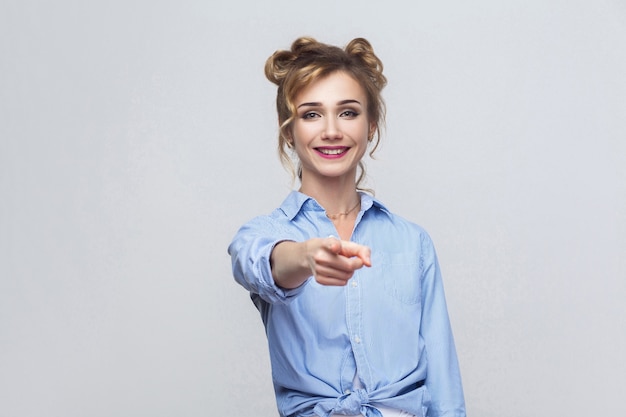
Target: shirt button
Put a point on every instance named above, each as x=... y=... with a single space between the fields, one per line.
x=354 y=284
x=347 y=392
x=357 y=339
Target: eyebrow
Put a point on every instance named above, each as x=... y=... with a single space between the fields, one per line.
x=341 y=103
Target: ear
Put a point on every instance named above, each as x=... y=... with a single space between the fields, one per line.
x=372 y=131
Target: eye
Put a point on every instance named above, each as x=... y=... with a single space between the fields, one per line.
x=350 y=114
x=309 y=115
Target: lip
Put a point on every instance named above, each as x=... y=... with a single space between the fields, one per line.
x=332 y=152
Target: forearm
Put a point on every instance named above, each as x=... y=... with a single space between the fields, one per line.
x=290 y=267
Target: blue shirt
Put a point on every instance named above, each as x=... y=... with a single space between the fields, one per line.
x=389 y=326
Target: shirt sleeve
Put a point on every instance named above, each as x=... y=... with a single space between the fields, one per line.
x=443 y=378
x=250 y=252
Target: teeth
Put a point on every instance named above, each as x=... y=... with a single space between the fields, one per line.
x=332 y=151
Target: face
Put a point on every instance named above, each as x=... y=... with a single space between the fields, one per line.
x=331 y=129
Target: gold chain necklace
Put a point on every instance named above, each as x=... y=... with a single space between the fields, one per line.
x=345 y=213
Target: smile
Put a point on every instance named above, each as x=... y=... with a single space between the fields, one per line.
x=332 y=151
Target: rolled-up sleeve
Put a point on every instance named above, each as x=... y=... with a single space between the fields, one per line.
x=250 y=252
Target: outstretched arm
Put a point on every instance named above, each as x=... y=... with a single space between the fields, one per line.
x=331 y=261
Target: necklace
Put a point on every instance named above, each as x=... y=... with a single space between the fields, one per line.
x=345 y=213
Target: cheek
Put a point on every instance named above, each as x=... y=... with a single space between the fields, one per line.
x=303 y=133
x=361 y=132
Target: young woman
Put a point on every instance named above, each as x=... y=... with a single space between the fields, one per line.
x=350 y=294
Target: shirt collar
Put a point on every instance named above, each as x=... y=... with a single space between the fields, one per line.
x=297 y=201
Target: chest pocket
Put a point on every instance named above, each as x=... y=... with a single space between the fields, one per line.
x=402 y=273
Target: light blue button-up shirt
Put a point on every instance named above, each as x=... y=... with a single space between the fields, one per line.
x=388 y=326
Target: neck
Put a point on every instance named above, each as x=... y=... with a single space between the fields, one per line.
x=336 y=196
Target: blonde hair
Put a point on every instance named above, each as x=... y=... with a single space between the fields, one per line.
x=308 y=61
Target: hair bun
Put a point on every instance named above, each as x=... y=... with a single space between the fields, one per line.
x=280 y=62
x=363 y=50
x=277 y=66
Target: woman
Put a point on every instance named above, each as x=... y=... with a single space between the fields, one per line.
x=350 y=294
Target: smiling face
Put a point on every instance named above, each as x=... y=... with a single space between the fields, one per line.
x=331 y=129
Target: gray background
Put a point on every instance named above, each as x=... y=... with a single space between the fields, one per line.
x=137 y=136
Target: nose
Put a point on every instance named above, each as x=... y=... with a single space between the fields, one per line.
x=331 y=129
